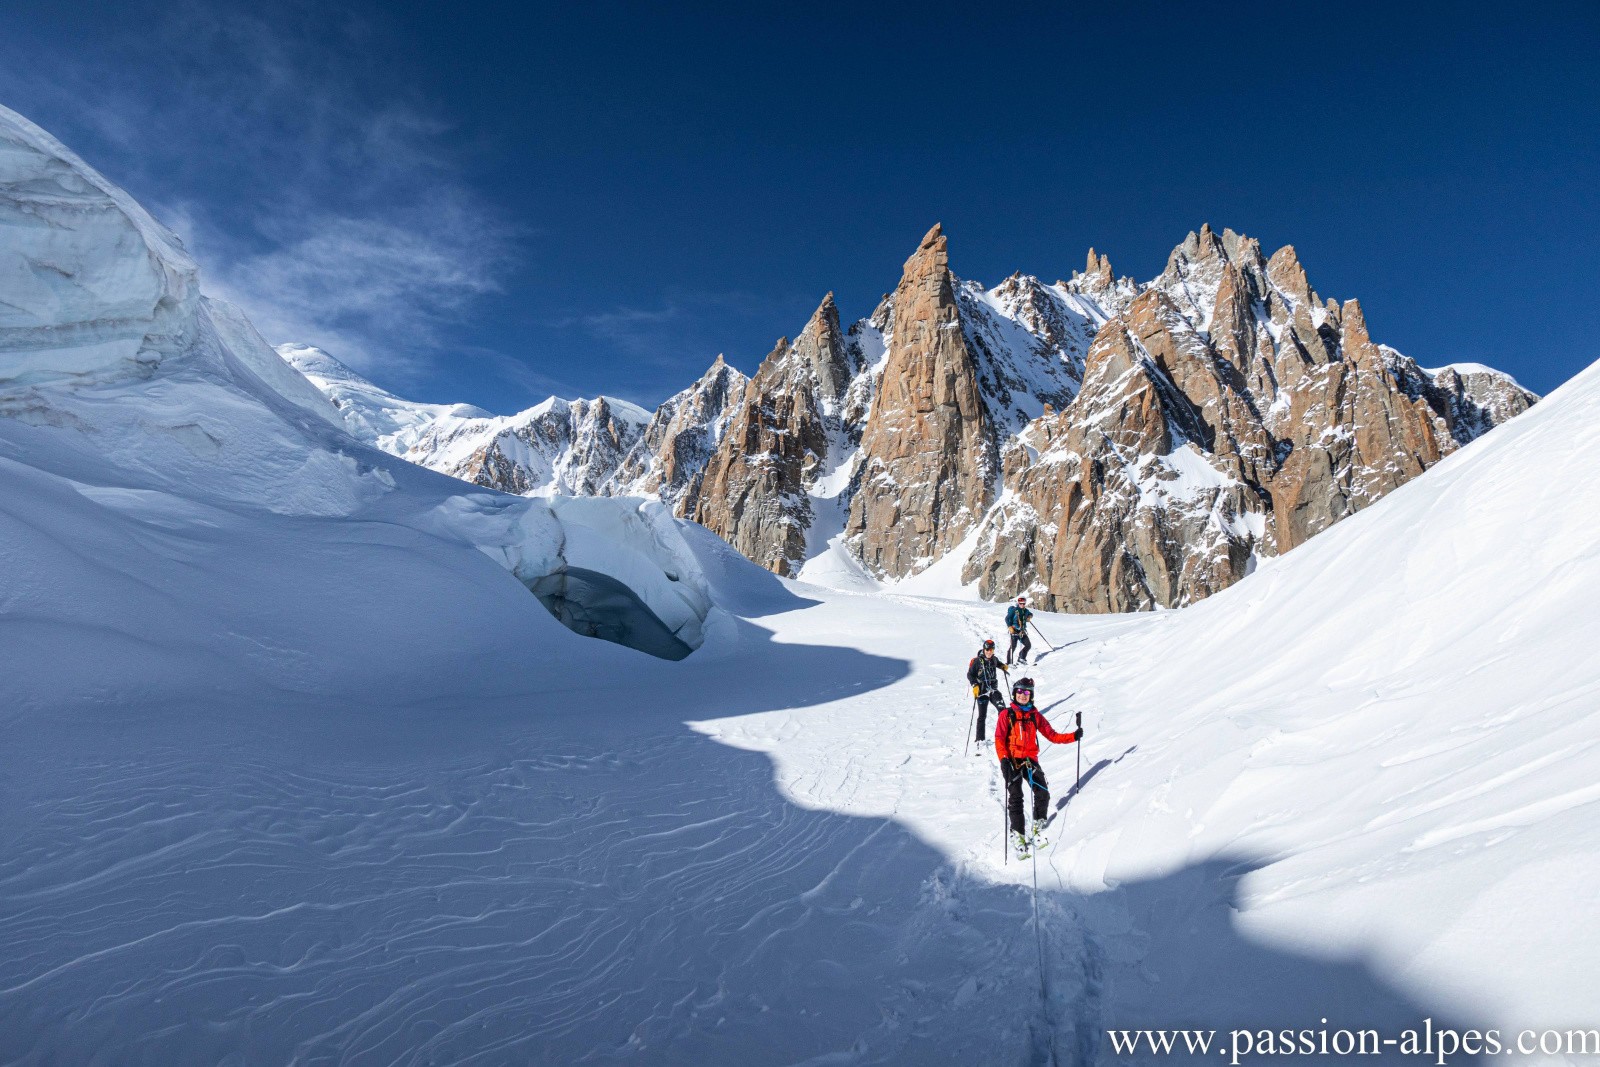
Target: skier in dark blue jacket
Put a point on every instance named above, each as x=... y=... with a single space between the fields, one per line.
x=1017 y=616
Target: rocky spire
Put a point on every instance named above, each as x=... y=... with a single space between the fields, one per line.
x=1354 y=338
x=754 y=493
x=1195 y=248
x=1097 y=272
x=1287 y=274
x=927 y=429
x=670 y=459
x=822 y=346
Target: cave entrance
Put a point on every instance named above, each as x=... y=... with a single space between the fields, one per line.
x=597 y=605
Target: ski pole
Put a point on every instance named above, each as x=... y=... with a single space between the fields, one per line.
x=1080 y=748
x=1042 y=637
x=970 y=720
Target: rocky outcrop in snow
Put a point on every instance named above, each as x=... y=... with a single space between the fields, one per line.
x=755 y=493
x=1228 y=414
x=669 y=460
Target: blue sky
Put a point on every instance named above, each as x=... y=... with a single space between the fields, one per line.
x=490 y=203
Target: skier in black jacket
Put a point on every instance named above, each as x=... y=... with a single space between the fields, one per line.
x=985 y=682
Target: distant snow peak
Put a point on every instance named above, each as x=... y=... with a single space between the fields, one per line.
x=1104 y=444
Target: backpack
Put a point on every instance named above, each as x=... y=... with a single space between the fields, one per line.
x=1013 y=719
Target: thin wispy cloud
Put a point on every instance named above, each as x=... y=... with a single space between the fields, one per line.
x=673 y=329
x=324 y=199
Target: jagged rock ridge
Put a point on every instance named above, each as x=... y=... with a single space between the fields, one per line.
x=1101 y=444
x=1228 y=414
x=778 y=444
x=669 y=459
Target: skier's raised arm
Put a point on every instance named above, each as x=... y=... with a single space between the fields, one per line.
x=1060 y=739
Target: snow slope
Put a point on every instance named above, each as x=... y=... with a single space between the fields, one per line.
x=1394 y=729
x=1359 y=785
x=371 y=414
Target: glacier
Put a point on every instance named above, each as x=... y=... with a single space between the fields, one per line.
x=298 y=770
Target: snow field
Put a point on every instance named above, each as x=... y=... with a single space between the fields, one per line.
x=298 y=771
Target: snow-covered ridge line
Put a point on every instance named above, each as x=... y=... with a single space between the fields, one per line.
x=557 y=446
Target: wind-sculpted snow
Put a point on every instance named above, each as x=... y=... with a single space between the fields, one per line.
x=571 y=874
x=188 y=513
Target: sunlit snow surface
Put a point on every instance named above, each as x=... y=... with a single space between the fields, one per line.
x=297 y=771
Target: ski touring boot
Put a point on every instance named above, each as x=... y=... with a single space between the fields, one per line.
x=1020 y=843
x=1036 y=837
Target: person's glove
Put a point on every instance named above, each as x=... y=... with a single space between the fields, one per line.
x=1003 y=667
x=977 y=690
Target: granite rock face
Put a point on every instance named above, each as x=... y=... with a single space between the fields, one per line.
x=1098 y=443
x=669 y=459
x=927 y=458
x=1227 y=414
x=778 y=444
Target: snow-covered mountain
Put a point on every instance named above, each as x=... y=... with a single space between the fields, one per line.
x=669 y=459
x=557 y=447
x=372 y=414
x=1100 y=444
x=299 y=770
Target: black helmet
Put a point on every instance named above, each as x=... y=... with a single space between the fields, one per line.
x=1021 y=685
x=988 y=644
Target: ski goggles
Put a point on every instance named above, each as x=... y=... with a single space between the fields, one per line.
x=1023 y=694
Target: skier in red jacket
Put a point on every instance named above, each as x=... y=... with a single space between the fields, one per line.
x=1016 y=742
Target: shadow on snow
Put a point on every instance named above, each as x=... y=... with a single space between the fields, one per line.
x=600 y=887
